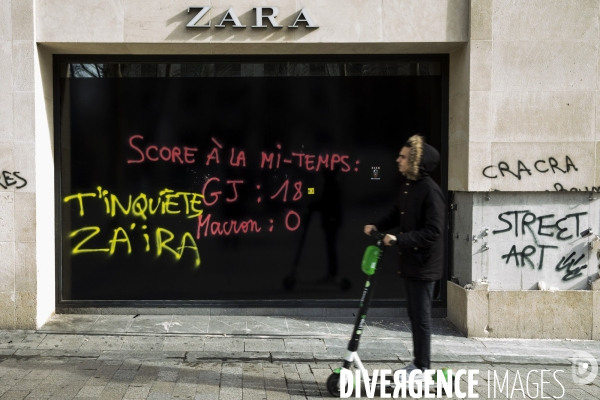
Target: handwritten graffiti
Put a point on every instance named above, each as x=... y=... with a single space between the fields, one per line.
x=284 y=189
x=215 y=191
x=165 y=153
x=569 y=264
x=526 y=253
x=142 y=206
x=90 y=239
x=548 y=227
x=539 y=166
x=225 y=228
x=560 y=188
x=167 y=203
x=120 y=238
x=145 y=152
x=211 y=198
x=308 y=161
x=7 y=180
x=544 y=228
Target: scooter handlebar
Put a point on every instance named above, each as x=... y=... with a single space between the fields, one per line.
x=379 y=236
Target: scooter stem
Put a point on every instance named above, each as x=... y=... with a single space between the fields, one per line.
x=365 y=301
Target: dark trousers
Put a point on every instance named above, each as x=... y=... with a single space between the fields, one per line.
x=419 y=295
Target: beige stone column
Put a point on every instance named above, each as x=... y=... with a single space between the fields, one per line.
x=470 y=103
x=533 y=94
x=18 y=280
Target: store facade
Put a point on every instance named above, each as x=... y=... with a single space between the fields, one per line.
x=233 y=181
x=226 y=156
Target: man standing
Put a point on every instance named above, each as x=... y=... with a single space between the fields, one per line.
x=420 y=215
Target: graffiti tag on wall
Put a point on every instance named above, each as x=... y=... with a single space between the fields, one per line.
x=551 y=165
x=141 y=208
x=548 y=232
x=8 y=179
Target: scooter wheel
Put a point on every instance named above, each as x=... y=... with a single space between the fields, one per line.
x=333 y=384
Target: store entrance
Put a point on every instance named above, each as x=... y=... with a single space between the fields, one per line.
x=235 y=181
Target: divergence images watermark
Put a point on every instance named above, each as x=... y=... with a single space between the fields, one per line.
x=584 y=369
x=463 y=383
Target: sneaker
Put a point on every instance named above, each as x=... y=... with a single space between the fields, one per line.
x=410 y=368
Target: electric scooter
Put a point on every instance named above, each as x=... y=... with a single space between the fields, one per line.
x=372 y=257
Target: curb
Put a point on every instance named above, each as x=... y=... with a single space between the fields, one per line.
x=274 y=357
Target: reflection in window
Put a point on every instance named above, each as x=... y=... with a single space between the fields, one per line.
x=249 y=69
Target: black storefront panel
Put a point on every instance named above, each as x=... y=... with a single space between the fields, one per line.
x=241 y=185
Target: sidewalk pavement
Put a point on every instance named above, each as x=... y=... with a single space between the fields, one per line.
x=249 y=357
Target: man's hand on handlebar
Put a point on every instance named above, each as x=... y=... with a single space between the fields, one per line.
x=369 y=228
x=389 y=240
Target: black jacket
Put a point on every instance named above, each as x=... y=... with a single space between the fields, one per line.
x=420 y=215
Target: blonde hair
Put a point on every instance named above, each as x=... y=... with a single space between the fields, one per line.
x=415 y=144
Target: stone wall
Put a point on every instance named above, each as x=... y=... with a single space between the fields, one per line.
x=18 y=272
x=523 y=116
x=524 y=162
x=515 y=240
x=530 y=99
x=31 y=31
x=526 y=314
x=347 y=26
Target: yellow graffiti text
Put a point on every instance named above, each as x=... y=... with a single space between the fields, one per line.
x=125 y=239
x=121 y=239
x=79 y=196
x=168 y=202
x=161 y=243
x=77 y=249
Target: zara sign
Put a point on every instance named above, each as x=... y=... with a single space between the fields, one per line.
x=230 y=16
